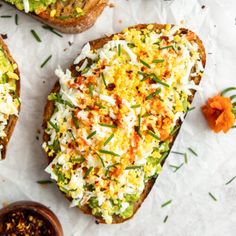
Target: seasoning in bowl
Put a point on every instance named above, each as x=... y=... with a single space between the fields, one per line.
x=28 y=219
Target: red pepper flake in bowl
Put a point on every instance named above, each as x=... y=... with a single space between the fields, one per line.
x=25 y=222
x=220 y=111
x=29 y=219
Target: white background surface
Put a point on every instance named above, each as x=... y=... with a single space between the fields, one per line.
x=192 y=212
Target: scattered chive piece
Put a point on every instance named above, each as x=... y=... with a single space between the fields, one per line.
x=163 y=157
x=91 y=135
x=150 y=96
x=54 y=126
x=153 y=135
x=178 y=153
x=192 y=151
x=164 y=221
x=44 y=182
x=230 y=180
x=185 y=158
x=146 y=115
x=212 y=196
x=72 y=135
x=139 y=122
x=36 y=36
x=104 y=80
x=191 y=109
x=88 y=171
x=135 y=106
x=108 y=139
x=233 y=127
x=47 y=27
x=158 y=61
x=176 y=167
x=46 y=61
x=101 y=159
x=109 y=152
x=227 y=90
x=108 y=125
x=119 y=50
x=166 y=203
x=16 y=19
x=145 y=64
x=133 y=167
x=75 y=120
x=90 y=89
x=6 y=16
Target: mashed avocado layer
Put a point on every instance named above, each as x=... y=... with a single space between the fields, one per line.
x=62 y=9
x=9 y=102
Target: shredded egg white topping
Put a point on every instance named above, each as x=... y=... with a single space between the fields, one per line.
x=115 y=114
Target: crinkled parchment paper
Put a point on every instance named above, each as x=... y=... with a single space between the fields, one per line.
x=192 y=211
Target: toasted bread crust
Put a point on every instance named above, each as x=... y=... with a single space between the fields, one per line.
x=49 y=108
x=12 y=119
x=74 y=25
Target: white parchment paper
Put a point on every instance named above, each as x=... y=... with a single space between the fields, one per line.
x=192 y=211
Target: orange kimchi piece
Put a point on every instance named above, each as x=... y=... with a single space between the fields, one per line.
x=218 y=113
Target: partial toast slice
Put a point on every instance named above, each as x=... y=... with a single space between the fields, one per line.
x=12 y=118
x=61 y=14
x=98 y=44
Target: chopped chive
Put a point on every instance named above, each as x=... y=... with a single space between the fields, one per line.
x=166 y=203
x=174 y=130
x=47 y=27
x=108 y=140
x=164 y=155
x=46 y=61
x=54 y=126
x=212 y=196
x=191 y=109
x=192 y=151
x=150 y=96
x=145 y=115
x=145 y=64
x=176 y=167
x=16 y=19
x=158 y=80
x=91 y=135
x=185 y=158
x=44 y=182
x=158 y=61
x=109 y=152
x=88 y=172
x=233 y=127
x=135 y=106
x=119 y=50
x=104 y=80
x=6 y=16
x=178 y=153
x=72 y=134
x=227 y=90
x=90 y=89
x=133 y=167
x=108 y=125
x=101 y=159
x=108 y=168
x=131 y=45
x=231 y=180
x=232 y=97
x=99 y=105
x=164 y=221
x=75 y=121
x=153 y=135
x=85 y=70
x=139 y=122
x=167 y=47
x=35 y=36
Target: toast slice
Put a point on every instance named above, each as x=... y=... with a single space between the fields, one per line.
x=9 y=74
x=70 y=16
x=164 y=140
